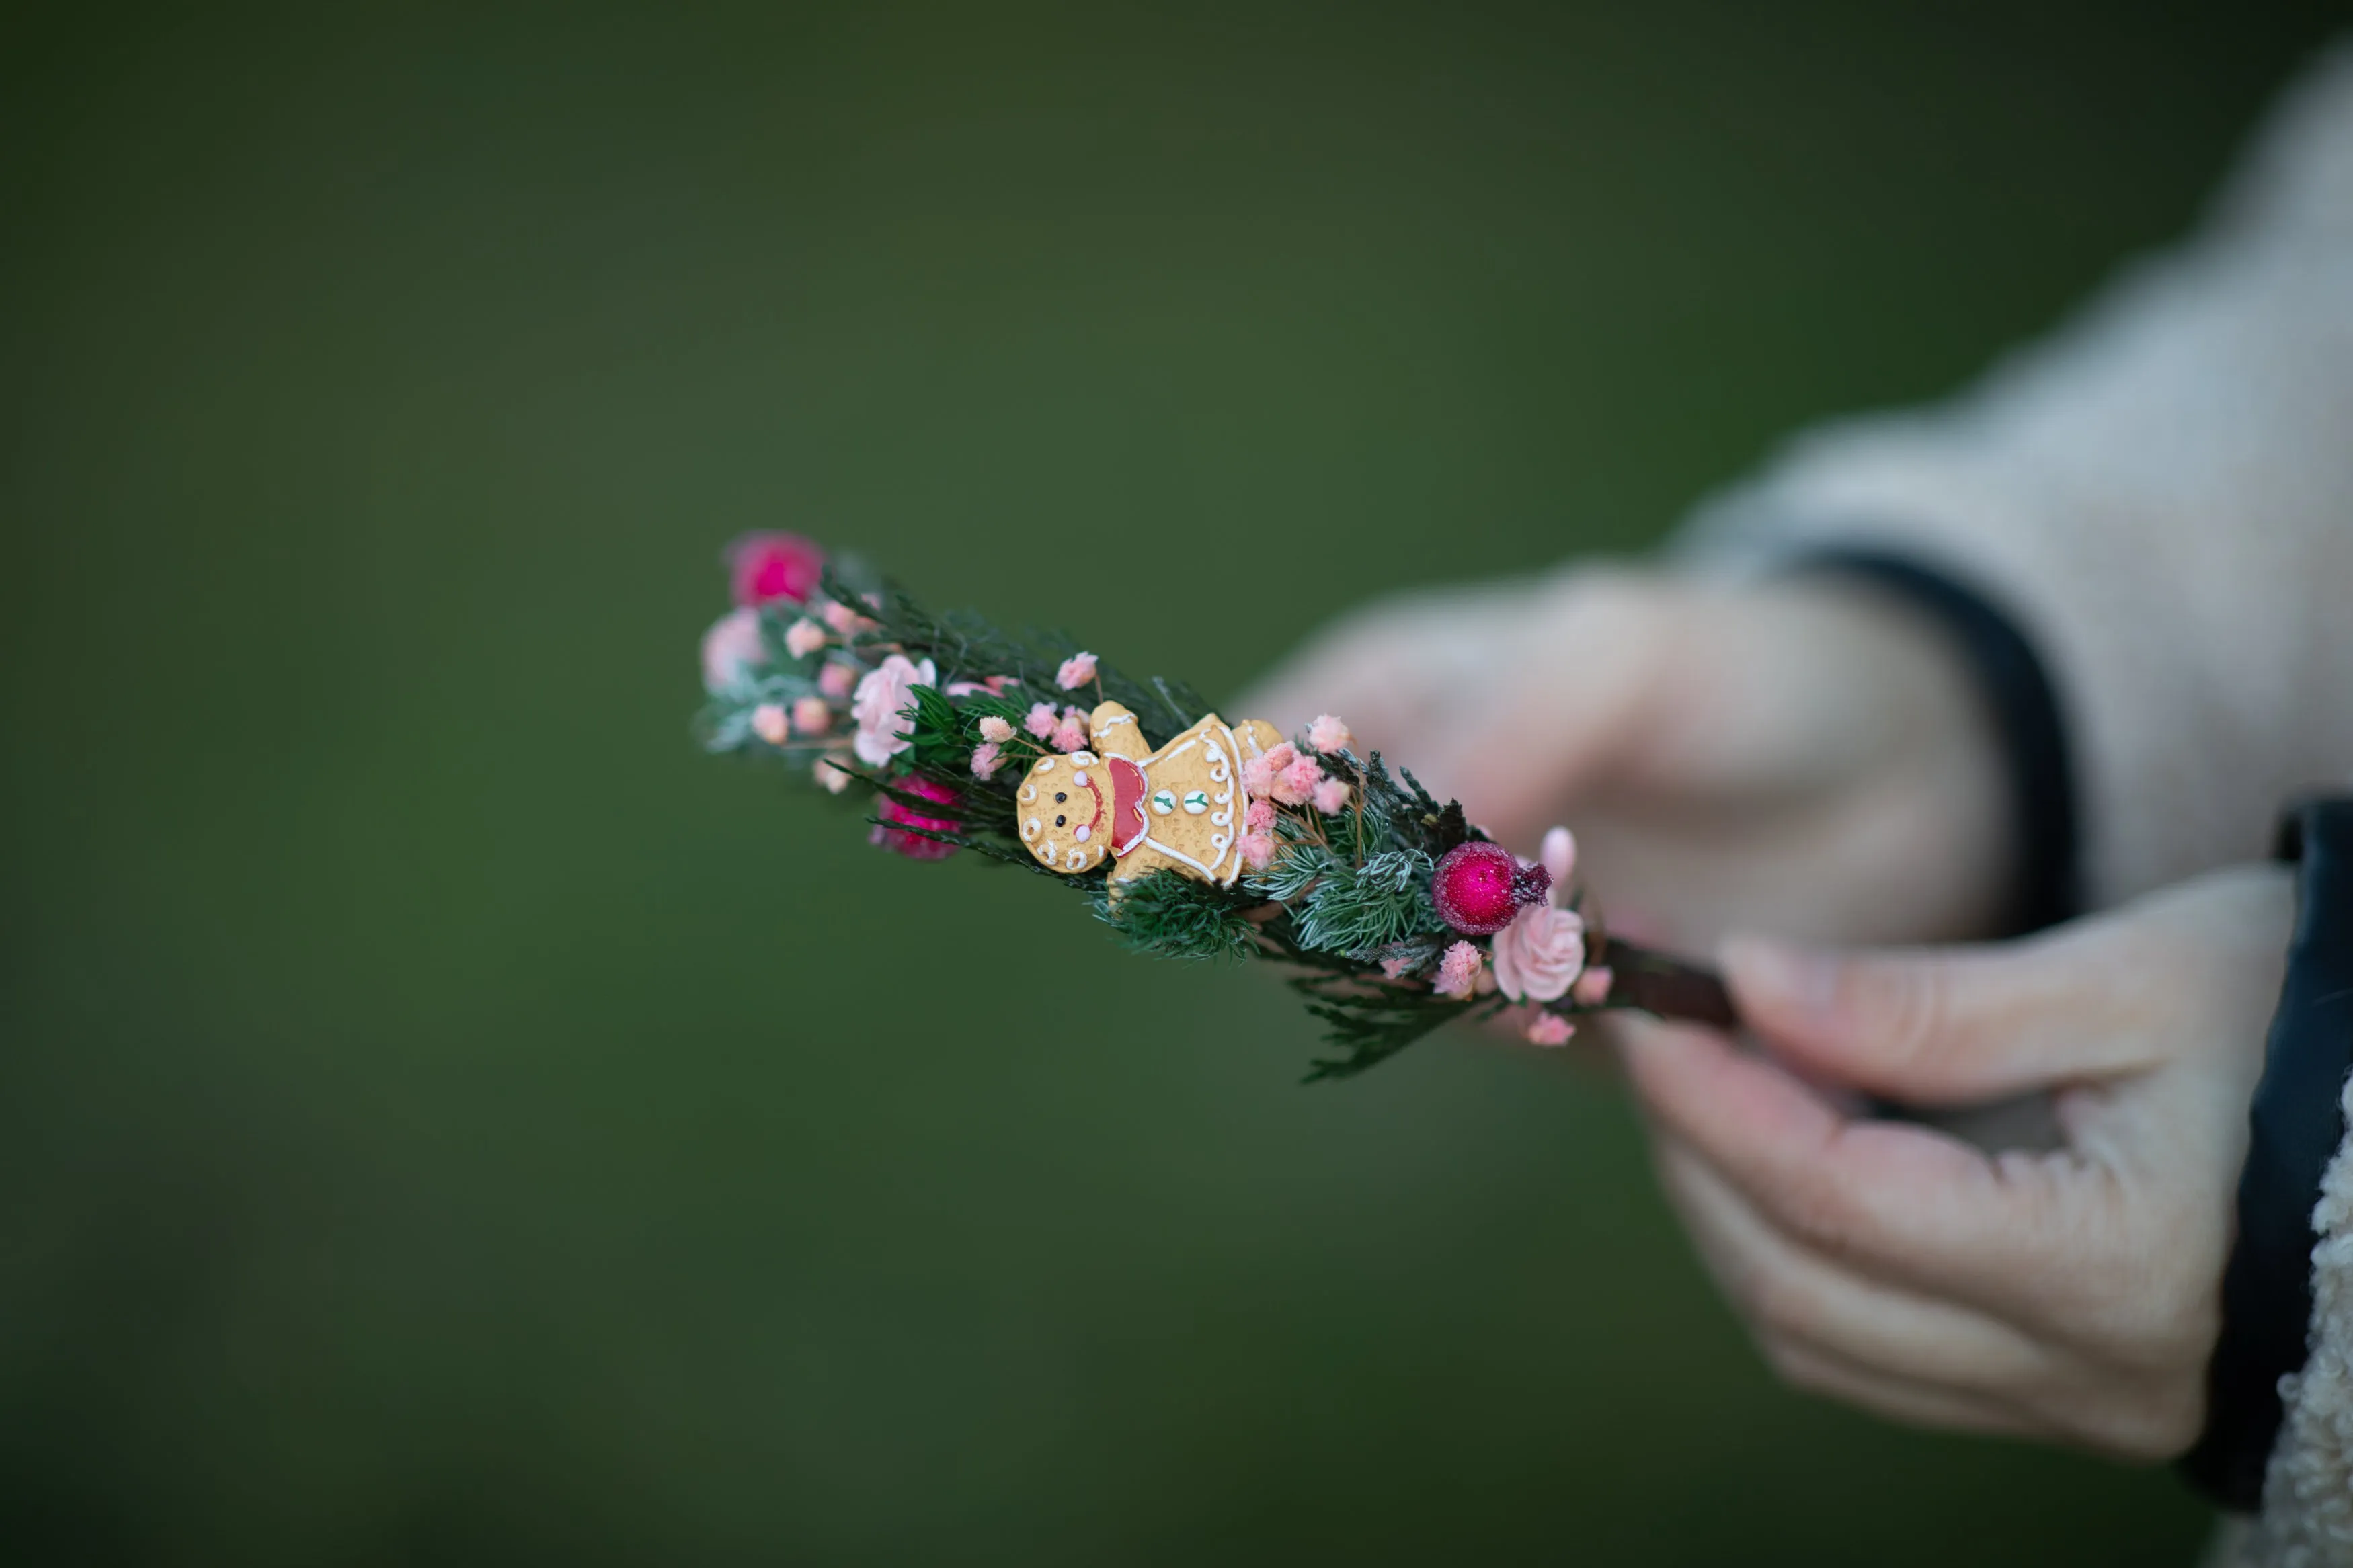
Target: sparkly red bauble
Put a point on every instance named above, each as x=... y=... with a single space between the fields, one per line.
x=1480 y=887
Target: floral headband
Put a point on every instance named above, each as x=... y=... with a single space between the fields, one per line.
x=1196 y=837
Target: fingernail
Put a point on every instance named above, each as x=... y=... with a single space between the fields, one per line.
x=1794 y=977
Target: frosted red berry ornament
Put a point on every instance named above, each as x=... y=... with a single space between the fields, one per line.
x=1480 y=888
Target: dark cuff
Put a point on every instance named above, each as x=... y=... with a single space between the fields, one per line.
x=2045 y=885
x=2296 y=1123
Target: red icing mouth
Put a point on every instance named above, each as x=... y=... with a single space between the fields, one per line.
x=1127 y=805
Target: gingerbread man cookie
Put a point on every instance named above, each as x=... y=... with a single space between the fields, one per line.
x=1180 y=807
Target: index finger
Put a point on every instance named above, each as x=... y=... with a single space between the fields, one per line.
x=1904 y=1202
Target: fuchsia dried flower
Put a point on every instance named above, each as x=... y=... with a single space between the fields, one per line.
x=1076 y=671
x=769 y=568
x=895 y=815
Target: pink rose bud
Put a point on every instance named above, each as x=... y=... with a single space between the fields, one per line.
x=995 y=729
x=831 y=777
x=1331 y=796
x=1076 y=671
x=1592 y=987
x=769 y=568
x=1558 y=856
x=1327 y=735
x=811 y=716
x=768 y=722
x=1550 y=1029
x=1042 y=720
x=837 y=680
x=844 y=619
x=804 y=637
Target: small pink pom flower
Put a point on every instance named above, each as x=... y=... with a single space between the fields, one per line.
x=1041 y=721
x=996 y=729
x=1539 y=955
x=804 y=637
x=1258 y=850
x=1550 y=1029
x=730 y=648
x=895 y=815
x=1458 y=971
x=769 y=724
x=985 y=758
x=1592 y=987
x=1258 y=779
x=884 y=693
x=1398 y=968
x=845 y=620
x=1076 y=671
x=1327 y=735
x=1280 y=755
x=833 y=778
x=1295 y=785
x=811 y=716
x=1071 y=734
x=767 y=568
x=1260 y=818
x=837 y=680
x=1331 y=796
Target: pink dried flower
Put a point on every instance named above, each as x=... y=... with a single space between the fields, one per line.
x=1295 y=785
x=1258 y=850
x=895 y=815
x=1331 y=796
x=1327 y=735
x=846 y=621
x=995 y=729
x=1458 y=969
x=836 y=680
x=1592 y=987
x=1071 y=734
x=1041 y=721
x=804 y=637
x=1539 y=955
x=833 y=778
x=769 y=724
x=1280 y=755
x=767 y=568
x=811 y=716
x=985 y=758
x=1076 y=671
x=1398 y=968
x=1260 y=818
x=730 y=648
x=883 y=694
x=1258 y=779
x=1549 y=1029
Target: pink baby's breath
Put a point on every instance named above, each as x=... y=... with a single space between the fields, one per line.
x=985 y=758
x=1076 y=671
x=1458 y=969
x=1041 y=721
x=811 y=716
x=1071 y=734
x=996 y=729
x=804 y=637
x=1549 y=1029
x=1331 y=796
x=1295 y=785
x=837 y=680
x=1260 y=818
x=1327 y=735
x=1258 y=850
x=768 y=722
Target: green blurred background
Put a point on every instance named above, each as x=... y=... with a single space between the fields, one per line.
x=443 y=1117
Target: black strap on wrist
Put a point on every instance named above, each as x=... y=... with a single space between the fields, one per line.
x=2296 y=1123
x=2045 y=887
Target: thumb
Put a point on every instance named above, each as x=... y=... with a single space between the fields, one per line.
x=1948 y=1027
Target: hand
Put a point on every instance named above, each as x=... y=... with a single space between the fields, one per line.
x=2073 y=1296
x=1800 y=755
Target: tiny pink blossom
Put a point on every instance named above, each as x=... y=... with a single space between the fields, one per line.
x=1295 y=785
x=811 y=716
x=1076 y=671
x=1458 y=969
x=1549 y=1029
x=769 y=724
x=1540 y=954
x=1327 y=735
x=1592 y=987
x=804 y=637
x=1558 y=856
x=995 y=685
x=845 y=620
x=1258 y=850
x=996 y=729
x=1260 y=818
x=1398 y=968
x=836 y=680
x=730 y=648
x=833 y=778
x=1331 y=796
x=884 y=693
x=1258 y=779
x=1280 y=755
x=985 y=758
x=1071 y=734
x=1041 y=721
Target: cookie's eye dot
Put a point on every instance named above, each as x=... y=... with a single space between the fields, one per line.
x=1059 y=821
x=1059 y=797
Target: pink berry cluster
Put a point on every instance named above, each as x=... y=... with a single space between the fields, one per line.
x=1286 y=776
